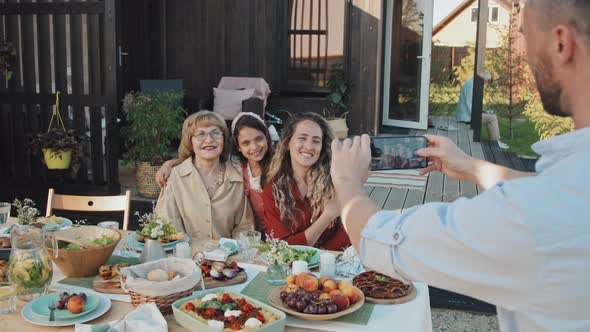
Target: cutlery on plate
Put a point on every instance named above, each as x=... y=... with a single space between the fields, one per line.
x=51 y=308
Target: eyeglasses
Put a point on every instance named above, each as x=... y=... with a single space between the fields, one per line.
x=202 y=136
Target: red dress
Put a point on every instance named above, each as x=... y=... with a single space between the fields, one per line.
x=333 y=238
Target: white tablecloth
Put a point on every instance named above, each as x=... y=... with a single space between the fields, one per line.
x=409 y=317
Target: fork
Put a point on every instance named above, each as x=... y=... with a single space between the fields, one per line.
x=51 y=308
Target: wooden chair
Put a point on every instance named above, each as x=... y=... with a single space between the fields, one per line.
x=90 y=203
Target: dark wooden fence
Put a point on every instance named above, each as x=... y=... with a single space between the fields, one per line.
x=68 y=47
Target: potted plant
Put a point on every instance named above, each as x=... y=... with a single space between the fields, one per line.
x=61 y=147
x=155 y=120
x=7 y=59
x=337 y=101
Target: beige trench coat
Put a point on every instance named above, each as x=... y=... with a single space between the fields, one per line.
x=187 y=205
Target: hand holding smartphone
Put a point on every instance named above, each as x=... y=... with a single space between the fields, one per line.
x=389 y=153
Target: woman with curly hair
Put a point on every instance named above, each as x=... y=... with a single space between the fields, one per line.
x=299 y=199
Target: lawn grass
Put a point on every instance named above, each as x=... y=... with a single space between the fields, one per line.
x=524 y=135
x=443 y=102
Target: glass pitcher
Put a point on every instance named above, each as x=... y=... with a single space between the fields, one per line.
x=30 y=267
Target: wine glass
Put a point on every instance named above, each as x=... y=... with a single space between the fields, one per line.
x=249 y=242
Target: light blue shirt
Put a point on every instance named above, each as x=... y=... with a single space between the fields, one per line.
x=465 y=102
x=523 y=245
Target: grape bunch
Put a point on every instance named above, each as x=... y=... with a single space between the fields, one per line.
x=64 y=297
x=308 y=303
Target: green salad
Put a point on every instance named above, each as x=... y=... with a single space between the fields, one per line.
x=103 y=240
x=300 y=255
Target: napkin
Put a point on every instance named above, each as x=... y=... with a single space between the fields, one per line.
x=216 y=255
x=146 y=317
x=229 y=245
x=349 y=264
x=5 y=230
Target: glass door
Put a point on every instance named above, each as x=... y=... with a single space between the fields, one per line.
x=408 y=38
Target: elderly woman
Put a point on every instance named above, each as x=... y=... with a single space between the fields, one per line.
x=205 y=196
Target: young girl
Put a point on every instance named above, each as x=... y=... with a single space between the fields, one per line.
x=299 y=199
x=252 y=145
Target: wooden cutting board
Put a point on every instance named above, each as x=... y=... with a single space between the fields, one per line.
x=212 y=283
x=103 y=286
x=411 y=295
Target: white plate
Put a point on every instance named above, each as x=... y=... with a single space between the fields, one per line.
x=103 y=307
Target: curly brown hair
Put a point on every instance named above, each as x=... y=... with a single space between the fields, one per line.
x=280 y=173
x=199 y=120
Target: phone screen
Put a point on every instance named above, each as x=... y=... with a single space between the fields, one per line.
x=397 y=152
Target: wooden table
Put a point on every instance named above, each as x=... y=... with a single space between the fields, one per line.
x=14 y=321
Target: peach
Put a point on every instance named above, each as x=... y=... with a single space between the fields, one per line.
x=344 y=284
x=75 y=304
x=300 y=278
x=323 y=279
x=353 y=293
x=291 y=279
x=311 y=284
x=341 y=301
x=325 y=296
x=329 y=285
x=334 y=292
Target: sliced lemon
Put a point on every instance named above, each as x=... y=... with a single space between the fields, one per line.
x=6 y=291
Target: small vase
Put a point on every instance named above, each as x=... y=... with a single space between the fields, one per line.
x=276 y=274
x=152 y=251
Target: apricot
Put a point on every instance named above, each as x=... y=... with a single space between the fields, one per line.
x=329 y=285
x=323 y=279
x=291 y=279
x=300 y=278
x=341 y=301
x=353 y=293
x=344 y=284
x=75 y=304
x=324 y=296
x=311 y=284
x=335 y=292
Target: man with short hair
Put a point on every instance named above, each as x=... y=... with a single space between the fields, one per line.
x=524 y=243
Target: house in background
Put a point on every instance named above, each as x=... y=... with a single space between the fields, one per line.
x=458 y=29
x=455 y=34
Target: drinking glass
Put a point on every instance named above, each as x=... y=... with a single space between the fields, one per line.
x=249 y=242
x=4 y=212
x=7 y=297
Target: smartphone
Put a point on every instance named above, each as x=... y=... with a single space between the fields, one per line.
x=397 y=152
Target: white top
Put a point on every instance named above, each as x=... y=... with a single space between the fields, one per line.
x=523 y=245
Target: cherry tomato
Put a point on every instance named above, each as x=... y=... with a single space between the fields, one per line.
x=233 y=265
x=236 y=326
x=260 y=317
x=247 y=307
x=190 y=306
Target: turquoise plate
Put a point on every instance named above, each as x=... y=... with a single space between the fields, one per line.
x=39 y=306
x=315 y=259
x=137 y=245
x=65 y=222
x=103 y=306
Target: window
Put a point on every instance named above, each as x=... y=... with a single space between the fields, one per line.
x=493 y=14
x=474 y=15
x=316 y=42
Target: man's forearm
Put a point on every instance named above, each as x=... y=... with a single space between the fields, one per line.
x=355 y=209
x=487 y=174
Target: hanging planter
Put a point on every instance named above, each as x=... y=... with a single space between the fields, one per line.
x=59 y=159
x=61 y=148
x=7 y=59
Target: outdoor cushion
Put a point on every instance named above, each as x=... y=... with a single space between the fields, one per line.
x=228 y=103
